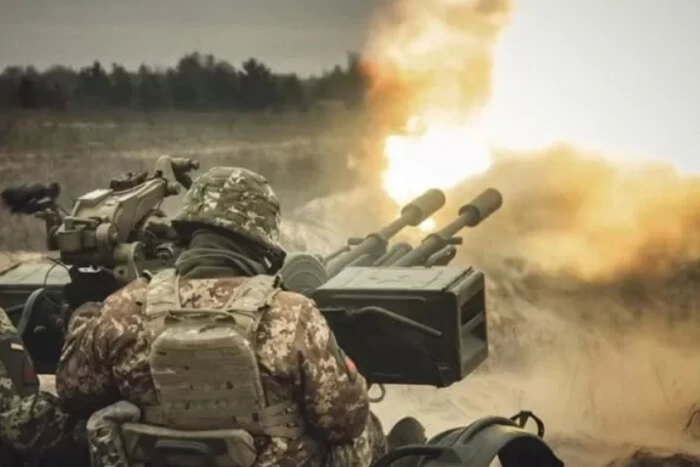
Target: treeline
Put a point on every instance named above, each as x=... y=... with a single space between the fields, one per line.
x=197 y=82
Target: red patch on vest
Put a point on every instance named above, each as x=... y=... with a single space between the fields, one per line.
x=352 y=368
x=30 y=376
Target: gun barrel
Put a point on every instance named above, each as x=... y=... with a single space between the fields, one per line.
x=481 y=207
x=412 y=214
x=469 y=215
x=415 y=212
x=396 y=252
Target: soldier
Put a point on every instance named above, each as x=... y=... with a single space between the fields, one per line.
x=33 y=429
x=215 y=344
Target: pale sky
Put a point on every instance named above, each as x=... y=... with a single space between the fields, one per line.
x=621 y=75
x=615 y=74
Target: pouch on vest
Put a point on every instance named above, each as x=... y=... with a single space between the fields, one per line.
x=204 y=365
x=150 y=445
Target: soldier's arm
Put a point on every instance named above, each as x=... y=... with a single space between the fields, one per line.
x=35 y=426
x=77 y=374
x=105 y=355
x=336 y=402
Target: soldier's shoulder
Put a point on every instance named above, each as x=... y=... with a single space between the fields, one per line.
x=132 y=294
x=295 y=309
x=293 y=300
x=220 y=287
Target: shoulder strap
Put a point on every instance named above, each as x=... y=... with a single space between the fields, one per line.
x=254 y=294
x=250 y=298
x=162 y=294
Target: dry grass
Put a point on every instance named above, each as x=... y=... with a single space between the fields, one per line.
x=83 y=152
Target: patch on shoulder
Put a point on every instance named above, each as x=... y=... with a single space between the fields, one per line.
x=344 y=361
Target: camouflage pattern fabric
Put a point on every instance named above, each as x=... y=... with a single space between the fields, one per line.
x=7 y=329
x=376 y=437
x=105 y=359
x=237 y=200
x=33 y=428
x=106 y=444
x=364 y=450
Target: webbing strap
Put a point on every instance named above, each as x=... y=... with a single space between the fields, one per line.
x=279 y=420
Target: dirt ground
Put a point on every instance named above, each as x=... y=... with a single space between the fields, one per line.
x=606 y=356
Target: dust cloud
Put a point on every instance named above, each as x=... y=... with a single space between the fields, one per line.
x=580 y=214
x=593 y=265
x=594 y=296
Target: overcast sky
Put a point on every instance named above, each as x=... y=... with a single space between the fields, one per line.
x=291 y=35
x=618 y=74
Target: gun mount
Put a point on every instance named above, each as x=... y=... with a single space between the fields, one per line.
x=118 y=228
x=400 y=313
x=109 y=238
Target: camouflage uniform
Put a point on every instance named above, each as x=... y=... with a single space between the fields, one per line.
x=33 y=428
x=105 y=357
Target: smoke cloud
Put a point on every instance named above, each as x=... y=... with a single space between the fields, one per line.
x=434 y=56
x=592 y=264
x=566 y=211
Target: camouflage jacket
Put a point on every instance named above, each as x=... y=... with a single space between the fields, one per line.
x=33 y=429
x=105 y=359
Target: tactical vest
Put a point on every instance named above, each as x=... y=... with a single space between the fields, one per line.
x=211 y=401
x=204 y=364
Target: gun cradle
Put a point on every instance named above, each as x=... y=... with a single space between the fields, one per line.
x=408 y=325
x=103 y=223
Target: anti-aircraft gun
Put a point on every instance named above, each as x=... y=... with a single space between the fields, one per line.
x=108 y=239
x=405 y=317
x=401 y=313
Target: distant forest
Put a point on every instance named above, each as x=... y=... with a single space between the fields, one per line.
x=198 y=82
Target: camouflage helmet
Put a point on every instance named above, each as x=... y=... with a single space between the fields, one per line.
x=235 y=199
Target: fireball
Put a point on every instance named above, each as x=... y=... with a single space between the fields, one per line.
x=439 y=155
x=434 y=58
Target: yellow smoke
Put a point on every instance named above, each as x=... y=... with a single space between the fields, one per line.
x=564 y=209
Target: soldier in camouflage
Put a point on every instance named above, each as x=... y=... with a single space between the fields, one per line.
x=231 y=219
x=33 y=429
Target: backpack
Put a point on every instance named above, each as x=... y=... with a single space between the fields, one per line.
x=204 y=367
